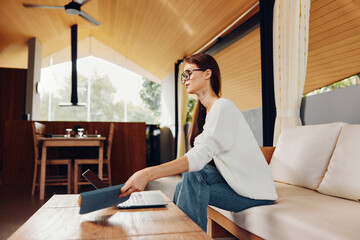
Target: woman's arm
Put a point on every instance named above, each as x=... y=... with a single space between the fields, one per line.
x=138 y=181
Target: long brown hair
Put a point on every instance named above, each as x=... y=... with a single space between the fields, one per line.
x=204 y=61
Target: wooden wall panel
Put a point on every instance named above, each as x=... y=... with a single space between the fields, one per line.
x=18 y=154
x=334 y=42
x=240 y=66
x=12 y=99
x=128 y=151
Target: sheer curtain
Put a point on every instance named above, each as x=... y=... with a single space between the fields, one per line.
x=182 y=106
x=290 y=51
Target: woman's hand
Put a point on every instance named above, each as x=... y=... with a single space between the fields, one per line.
x=136 y=183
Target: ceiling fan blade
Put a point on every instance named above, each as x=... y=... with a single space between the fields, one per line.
x=82 y=2
x=42 y=6
x=87 y=17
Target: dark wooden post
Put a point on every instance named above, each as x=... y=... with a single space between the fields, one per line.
x=267 y=70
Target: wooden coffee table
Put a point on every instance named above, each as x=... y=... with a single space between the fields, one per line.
x=59 y=218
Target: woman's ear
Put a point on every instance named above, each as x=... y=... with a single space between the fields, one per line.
x=208 y=74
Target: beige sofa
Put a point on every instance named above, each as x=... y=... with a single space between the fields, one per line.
x=316 y=170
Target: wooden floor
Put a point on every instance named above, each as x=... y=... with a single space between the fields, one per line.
x=17 y=205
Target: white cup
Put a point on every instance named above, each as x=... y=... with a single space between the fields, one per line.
x=80 y=132
x=68 y=132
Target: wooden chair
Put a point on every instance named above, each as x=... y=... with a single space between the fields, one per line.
x=38 y=130
x=78 y=180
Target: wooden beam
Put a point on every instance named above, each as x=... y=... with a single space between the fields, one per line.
x=267 y=71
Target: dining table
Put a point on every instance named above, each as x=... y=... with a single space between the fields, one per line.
x=63 y=141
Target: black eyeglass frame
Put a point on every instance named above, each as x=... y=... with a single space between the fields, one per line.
x=190 y=71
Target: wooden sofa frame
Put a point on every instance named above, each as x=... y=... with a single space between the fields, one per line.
x=220 y=226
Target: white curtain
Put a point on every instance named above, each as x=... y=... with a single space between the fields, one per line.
x=182 y=106
x=290 y=51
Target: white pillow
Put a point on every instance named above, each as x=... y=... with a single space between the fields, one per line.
x=342 y=178
x=302 y=153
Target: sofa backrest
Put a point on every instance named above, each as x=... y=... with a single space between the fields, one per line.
x=342 y=178
x=302 y=154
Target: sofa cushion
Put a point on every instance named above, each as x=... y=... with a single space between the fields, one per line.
x=303 y=152
x=342 y=178
x=300 y=213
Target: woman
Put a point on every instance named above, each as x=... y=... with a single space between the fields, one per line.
x=238 y=177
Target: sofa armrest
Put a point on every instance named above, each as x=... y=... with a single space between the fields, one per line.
x=268 y=152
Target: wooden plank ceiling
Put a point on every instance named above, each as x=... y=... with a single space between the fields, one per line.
x=155 y=33
x=151 y=33
x=334 y=47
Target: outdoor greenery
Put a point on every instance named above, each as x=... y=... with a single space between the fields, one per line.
x=102 y=105
x=353 y=80
x=100 y=108
x=151 y=96
x=190 y=110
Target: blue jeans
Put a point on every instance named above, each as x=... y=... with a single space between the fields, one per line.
x=206 y=187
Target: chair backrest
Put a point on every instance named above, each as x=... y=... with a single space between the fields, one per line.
x=110 y=140
x=38 y=130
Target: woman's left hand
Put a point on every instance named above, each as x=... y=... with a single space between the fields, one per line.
x=136 y=183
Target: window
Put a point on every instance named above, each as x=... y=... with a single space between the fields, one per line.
x=110 y=93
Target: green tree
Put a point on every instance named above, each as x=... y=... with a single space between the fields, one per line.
x=190 y=110
x=102 y=105
x=64 y=96
x=141 y=113
x=151 y=96
x=102 y=101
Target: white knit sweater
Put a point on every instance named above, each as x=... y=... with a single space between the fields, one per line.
x=228 y=140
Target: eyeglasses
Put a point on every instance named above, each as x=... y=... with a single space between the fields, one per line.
x=187 y=73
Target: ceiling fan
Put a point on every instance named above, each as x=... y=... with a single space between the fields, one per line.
x=73 y=8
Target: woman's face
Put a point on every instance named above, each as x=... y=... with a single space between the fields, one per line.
x=198 y=79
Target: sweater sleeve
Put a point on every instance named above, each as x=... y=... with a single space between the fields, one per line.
x=217 y=137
